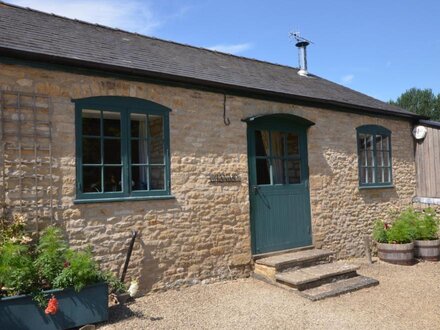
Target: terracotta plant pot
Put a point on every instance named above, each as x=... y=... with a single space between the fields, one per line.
x=400 y=254
x=427 y=249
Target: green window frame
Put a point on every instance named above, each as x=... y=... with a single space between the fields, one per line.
x=122 y=149
x=374 y=156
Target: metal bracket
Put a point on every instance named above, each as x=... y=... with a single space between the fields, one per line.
x=225 y=119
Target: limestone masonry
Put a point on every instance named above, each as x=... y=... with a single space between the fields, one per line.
x=203 y=234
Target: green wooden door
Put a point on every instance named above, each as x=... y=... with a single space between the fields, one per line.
x=279 y=190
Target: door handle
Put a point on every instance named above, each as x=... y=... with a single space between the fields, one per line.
x=256 y=189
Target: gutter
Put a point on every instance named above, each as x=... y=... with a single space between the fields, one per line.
x=201 y=84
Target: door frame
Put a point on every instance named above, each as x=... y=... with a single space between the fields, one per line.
x=264 y=122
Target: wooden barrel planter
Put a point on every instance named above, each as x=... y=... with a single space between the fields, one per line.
x=427 y=249
x=399 y=254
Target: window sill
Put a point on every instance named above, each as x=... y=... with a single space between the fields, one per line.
x=121 y=199
x=388 y=186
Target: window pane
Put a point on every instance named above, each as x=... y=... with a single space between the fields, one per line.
x=156 y=152
x=156 y=126
x=139 y=151
x=262 y=143
x=112 y=178
x=387 y=174
x=278 y=171
x=379 y=158
x=363 y=175
x=112 y=151
x=386 y=158
x=111 y=124
x=91 y=122
x=293 y=171
x=378 y=142
x=292 y=144
x=139 y=177
x=91 y=149
x=92 y=179
x=370 y=175
x=138 y=125
x=386 y=143
x=157 y=178
x=263 y=176
x=277 y=144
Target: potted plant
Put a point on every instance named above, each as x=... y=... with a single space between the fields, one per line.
x=395 y=241
x=48 y=285
x=427 y=242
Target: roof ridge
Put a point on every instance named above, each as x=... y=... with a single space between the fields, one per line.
x=146 y=36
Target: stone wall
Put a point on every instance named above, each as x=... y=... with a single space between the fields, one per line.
x=203 y=233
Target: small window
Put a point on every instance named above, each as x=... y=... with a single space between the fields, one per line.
x=374 y=154
x=122 y=148
x=277 y=157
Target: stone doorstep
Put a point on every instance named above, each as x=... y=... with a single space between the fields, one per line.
x=304 y=277
x=292 y=259
x=337 y=288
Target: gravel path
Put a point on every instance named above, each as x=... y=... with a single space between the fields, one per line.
x=406 y=298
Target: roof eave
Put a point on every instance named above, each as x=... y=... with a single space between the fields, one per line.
x=200 y=83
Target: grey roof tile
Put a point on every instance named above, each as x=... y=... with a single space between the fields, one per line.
x=34 y=32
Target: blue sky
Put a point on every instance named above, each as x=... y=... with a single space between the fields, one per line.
x=380 y=48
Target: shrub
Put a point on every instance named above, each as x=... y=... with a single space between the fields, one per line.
x=26 y=269
x=17 y=272
x=51 y=255
x=401 y=231
x=427 y=225
x=79 y=270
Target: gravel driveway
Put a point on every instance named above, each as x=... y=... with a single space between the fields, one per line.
x=408 y=297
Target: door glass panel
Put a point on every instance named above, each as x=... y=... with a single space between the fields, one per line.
x=293 y=171
x=263 y=174
x=262 y=143
x=277 y=144
x=278 y=171
x=292 y=144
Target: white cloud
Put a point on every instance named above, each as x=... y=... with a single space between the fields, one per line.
x=347 y=79
x=232 y=48
x=132 y=15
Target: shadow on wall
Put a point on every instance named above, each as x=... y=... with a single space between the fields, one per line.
x=384 y=195
x=149 y=272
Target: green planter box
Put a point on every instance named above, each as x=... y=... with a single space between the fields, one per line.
x=75 y=309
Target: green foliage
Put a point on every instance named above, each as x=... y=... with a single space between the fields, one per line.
x=51 y=254
x=380 y=232
x=427 y=225
x=80 y=270
x=25 y=269
x=17 y=272
x=408 y=225
x=421 y=101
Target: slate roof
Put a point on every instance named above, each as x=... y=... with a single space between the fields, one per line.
x=36 y=35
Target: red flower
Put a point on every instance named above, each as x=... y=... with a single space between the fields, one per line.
x=386 y=226
x=66 y=264
x=52 y=306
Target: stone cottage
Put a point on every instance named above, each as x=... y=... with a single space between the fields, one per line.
x=213 y=158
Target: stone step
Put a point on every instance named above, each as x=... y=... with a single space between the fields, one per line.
x=306 y=278
x=339 y=287
x=294 y=259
